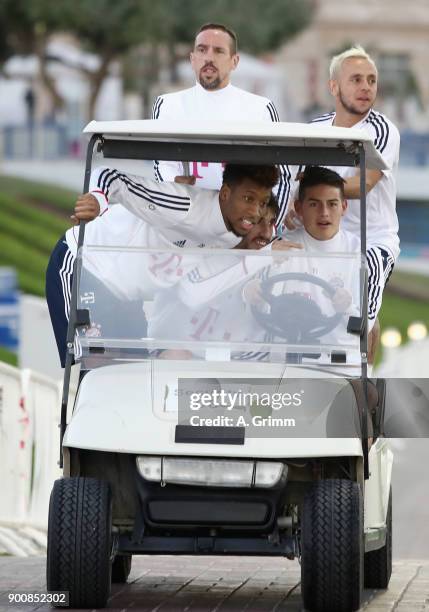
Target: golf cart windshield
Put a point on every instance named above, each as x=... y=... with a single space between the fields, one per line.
x=225 y=305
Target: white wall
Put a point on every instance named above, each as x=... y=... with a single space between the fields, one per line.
x=37 y=349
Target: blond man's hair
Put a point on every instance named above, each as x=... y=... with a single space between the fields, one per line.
x=338 y=60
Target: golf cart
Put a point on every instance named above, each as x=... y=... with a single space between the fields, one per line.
x=224 y=426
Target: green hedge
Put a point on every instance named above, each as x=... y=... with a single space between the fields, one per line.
x=33 y=217
x=38 y=193
x=35 y=236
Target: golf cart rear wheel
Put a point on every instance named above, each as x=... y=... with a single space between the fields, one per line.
x=378 y=563
x=79 y=541
x=332 y=547
x=121 y=568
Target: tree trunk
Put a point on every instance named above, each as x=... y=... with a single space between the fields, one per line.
x=49 y=83
x=96 y=81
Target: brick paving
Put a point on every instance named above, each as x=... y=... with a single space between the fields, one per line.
x=217 y=584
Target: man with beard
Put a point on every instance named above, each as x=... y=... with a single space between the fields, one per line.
x=353 y=84
x=214 y=98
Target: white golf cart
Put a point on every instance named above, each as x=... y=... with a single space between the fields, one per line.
x=226 y=425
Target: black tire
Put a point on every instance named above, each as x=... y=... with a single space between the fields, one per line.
x=378 y=563
x=79 y=541
x=332 y=547
x=121 y=568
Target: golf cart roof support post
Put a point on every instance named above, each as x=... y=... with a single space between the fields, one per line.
x=71 y=329
x=364 y=285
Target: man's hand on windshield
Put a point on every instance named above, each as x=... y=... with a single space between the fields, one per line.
x=86 y=208
x=251 y=293
x=292 y=220
x=185 y=180
x=285 y=245
x=341 y=300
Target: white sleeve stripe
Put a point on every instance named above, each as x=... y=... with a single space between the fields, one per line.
x=257 y=356
x=390 y=264
x=103 y=178
x=386 y=137
x=382 y=130
x=155 y=115
x=273 y=112
x=157 y=107
x=172 y=196
x=373 y=281
x=112 y=175
x=158 y=174
x=153 y=197
x=158 y=202
x=324 y=117
x=371 y=119
x=66 y=274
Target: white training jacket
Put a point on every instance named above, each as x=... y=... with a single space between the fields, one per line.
x=183 y=214
x=227 y=104
x=152 y=215
x=382 y=220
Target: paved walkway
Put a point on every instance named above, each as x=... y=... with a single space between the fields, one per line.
x=221 y=584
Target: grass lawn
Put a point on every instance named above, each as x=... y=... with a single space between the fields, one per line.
x=58 y=198
x=33 y=217
x=399 y=312
x=8 y=357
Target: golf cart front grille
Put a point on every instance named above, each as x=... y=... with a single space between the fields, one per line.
x=186 y=512
x=175 y=508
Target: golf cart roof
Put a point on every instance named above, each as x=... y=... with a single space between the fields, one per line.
x=233 y=141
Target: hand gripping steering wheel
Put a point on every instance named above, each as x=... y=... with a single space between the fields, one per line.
x=293 y=316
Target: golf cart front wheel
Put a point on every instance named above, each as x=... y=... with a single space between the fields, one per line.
x=79 y=541
x=332 y=547
x=378 y=563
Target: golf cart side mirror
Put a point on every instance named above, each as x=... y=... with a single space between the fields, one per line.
x=82 y=318
x=355 y=325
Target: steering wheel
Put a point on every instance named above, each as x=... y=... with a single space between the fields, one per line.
x=293 y=316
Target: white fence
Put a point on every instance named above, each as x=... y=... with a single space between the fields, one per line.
x=30 y=405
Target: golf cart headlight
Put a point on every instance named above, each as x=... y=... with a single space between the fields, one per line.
x=211 y=472
x=150 y=468
x=268 y=473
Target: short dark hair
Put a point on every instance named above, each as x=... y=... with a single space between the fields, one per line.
x=318 y=175
x=266 y=176
x=218 y=26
